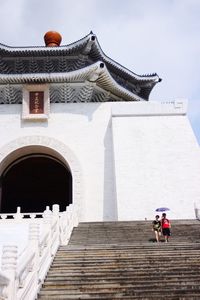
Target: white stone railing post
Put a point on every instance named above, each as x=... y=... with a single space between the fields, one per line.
x=47 y=214
x=18 y=215
x=45 y=245
x=64 y=226
x=33 y=245
x=9 y=265
x=27 y=269
x=56 y=209
x=68 y=220
x=55 y=228
x=34 y=232
x=197 y=211
x=47 y=221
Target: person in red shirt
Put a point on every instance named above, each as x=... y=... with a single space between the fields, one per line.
x=166 y=227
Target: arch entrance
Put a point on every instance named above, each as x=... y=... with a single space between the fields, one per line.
x=34 y=181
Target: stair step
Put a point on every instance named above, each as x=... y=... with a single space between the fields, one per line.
x=126 y=290
x=119 y=260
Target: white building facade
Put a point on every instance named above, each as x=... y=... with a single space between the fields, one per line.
x=77 y=127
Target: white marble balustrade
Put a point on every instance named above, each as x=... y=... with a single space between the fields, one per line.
x=28 y=245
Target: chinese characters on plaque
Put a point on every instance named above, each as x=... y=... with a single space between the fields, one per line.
x=36 y=102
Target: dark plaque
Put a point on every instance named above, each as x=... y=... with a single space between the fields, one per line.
x=36 y=103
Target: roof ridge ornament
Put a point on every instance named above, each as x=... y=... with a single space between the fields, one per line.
x=52 y=39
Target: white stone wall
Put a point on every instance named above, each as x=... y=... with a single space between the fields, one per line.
x=157 y=161
x=86 y=130
x=132 y=157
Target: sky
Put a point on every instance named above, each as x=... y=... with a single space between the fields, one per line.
x=146 y=36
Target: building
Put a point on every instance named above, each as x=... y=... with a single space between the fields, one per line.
x=77 y=127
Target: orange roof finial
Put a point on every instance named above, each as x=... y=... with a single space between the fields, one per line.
x=52 y=39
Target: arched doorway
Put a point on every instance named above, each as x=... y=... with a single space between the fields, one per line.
x=35 y=181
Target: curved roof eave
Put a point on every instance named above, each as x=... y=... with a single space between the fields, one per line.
x=96 y=73
x=88 y=41
x=102 y=56
x=43 y=49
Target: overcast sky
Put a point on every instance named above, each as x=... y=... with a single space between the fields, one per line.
x=146 y=36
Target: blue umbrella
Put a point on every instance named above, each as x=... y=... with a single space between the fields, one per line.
x=162 y=209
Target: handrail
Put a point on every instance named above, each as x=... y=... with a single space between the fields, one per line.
x=18 y=215
x=23 y=274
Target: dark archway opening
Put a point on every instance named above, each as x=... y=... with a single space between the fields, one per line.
x=34 y=182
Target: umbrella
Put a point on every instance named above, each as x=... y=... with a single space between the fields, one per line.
x=162 y=209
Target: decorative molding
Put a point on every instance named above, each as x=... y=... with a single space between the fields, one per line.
x=10 y=94
x=34 y=66
x=101 y=96
x=46 y=64
x=19 y=66
x=60 y=93
x=85 y=94
x=4 y=67
x=74 y=93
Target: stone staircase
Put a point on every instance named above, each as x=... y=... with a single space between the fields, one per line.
x=121 y=260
